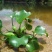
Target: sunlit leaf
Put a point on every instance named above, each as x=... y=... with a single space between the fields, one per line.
x=40 y=30
x=32 y=46
x=8 y=34
x=16 y=42
x=21 y=15
x=24 y=40
x=13 y=41
x=28 y=26
x=0 y=24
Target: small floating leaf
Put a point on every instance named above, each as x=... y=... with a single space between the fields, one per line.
x=32 y=46
x=9 y=34
x=16 y=42
x=40 y=30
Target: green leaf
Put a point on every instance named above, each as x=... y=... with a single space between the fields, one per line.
x=24 y=40
x=16 y=42
x=40 y=30
x=0 y=24
x=32 y=46
x=14 y=28
x=13 y=41
x=28 y=26
x=8 y=34
x=21 y=15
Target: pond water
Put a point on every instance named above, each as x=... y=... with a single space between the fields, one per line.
x=38 y=13
x=40 y=16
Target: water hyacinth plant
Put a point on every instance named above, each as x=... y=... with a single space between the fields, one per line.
x=19 y=37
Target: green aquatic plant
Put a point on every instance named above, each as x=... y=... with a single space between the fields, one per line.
x=19 y=37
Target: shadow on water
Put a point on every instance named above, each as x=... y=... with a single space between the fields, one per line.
x=41 y=40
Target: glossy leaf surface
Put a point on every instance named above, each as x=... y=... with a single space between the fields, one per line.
x=32 y=46
x=40 y=30
x=21 y=15
x=13 y=41
x=35 y=42
x=16 y=42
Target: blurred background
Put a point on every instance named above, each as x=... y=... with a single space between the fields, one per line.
x=41 y=14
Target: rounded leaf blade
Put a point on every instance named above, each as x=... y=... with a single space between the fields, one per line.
x=32 y=46
x=40 y=30
x=14 y=41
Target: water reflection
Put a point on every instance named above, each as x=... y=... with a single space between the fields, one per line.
x=5 y=12
x=41 y=13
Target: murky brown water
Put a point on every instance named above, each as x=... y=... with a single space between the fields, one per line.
x=40 y=17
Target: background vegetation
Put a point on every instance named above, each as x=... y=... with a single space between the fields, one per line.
x=29 y=2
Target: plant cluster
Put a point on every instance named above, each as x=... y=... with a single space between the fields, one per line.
x=18 y=36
